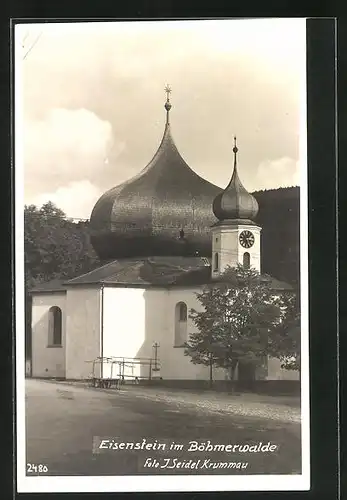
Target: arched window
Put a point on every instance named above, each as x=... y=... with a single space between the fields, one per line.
x=55 y=327
x=181 y=314
x=246 y=260
x=216 y=262
x=182 y=311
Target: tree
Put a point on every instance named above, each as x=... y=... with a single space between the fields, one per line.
x=284 y=342
x=55 y=247
x=238 y=313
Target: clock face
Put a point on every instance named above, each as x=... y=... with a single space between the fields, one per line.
x=247 y=239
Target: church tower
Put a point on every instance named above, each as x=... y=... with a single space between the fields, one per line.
x=235 y=237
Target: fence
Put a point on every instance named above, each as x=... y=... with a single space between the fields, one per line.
x=113 y=371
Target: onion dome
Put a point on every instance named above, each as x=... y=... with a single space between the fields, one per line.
x=164 y=210
x=235 y=204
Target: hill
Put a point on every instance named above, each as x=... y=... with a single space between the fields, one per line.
x=279 y=216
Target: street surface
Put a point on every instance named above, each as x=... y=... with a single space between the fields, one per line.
x=64 y=420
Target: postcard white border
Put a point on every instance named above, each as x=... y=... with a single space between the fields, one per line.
x=157 y=483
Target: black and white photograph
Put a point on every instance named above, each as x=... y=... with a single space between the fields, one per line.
x=162 y=332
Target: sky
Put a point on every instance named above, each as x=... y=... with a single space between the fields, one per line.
x=92 y=103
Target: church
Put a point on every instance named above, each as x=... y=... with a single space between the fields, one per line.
x=162 y=235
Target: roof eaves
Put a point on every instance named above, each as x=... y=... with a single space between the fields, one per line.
x=71 y=283
x=46 y=290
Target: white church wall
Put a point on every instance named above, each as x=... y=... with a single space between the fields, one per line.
x=47 y=361
x=83 y=327
x=133 y=320
x=275 y=372
x=155 y=324
x=124 y=329
x=175 y=365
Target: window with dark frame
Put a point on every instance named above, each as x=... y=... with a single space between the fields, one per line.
x=181 y=315
x=246 y=260
x=183 y=312
x=55 y=326
x=216 y=262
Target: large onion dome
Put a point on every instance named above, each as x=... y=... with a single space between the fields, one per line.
x=164 y=210
x=235 y=204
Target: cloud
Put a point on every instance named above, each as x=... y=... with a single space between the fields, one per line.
x=67 y=146
x=282 y=172
x=93 y=91
x=75 y=199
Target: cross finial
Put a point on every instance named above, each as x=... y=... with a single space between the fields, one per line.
x=168 y=91
x=168 y=103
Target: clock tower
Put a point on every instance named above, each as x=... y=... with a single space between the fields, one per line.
x=235 y=237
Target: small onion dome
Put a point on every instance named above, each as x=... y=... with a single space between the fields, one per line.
x=235 y=202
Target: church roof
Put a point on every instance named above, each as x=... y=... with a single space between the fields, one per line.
x=149 y=272
x=57 y=285
x=235 y=202
x=160 y=271
x=146 y=215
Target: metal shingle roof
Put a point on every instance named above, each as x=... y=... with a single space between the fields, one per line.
x=146 y=272
x=143 y=216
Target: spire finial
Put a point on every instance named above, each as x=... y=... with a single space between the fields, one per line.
x=167 y=104
x=235 y=150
